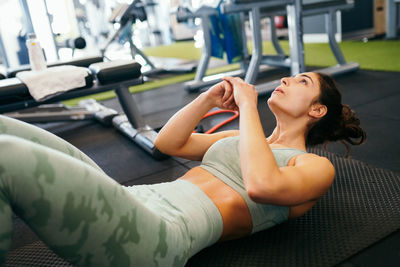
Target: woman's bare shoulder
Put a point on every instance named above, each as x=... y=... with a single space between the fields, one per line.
x=315 y=161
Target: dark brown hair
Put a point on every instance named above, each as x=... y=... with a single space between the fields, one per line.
x=340 y=122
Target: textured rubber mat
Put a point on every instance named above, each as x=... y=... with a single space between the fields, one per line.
x=362 y=207
x=35 y=254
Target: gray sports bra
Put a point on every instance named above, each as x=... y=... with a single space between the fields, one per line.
x=222 y=160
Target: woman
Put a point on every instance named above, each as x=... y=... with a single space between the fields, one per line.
x=90 y=220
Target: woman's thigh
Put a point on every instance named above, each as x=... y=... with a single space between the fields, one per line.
x=35 y=134
x=79 y=212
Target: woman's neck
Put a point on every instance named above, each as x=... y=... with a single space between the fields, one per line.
x=289 y=134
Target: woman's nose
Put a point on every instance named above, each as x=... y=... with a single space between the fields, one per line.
x=285 y=81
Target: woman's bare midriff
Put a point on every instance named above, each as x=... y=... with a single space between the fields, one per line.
x=233 y=208
x=235 y=214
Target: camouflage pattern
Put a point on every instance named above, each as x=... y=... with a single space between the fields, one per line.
x=85 y=216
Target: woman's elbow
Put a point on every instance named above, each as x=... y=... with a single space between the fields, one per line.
x=157 y=143
x=260 y=193
x=261 y=189
x=167 y=147
x=162 y=146
x=254 y=194
x=263 y=196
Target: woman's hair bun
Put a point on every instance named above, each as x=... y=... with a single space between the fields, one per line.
x=349 y=129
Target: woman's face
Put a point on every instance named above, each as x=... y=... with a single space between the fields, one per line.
x=295 y=95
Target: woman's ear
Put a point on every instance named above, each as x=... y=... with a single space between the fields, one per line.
x=318 y=110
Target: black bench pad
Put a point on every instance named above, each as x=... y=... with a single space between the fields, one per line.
x=12 y=90
x=116 y=71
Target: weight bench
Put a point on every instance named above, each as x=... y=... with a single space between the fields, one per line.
x=126 y=15
x=104 y=76
x=254 y=10
x=295 y=10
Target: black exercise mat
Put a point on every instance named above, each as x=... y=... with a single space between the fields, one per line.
x=35 y=254
x=361 y=208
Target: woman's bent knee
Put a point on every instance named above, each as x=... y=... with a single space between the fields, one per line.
x=14 y=151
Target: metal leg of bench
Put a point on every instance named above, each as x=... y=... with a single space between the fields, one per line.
x=274 y=37
x=330 y=22
x=206 y=51
x=130 y=107
x=109 y=40
x=256 y=57
x=295 y=26
x=197 y=83
x=135 y=50
x=342 y=67
x=391 y=19
x=245 y=50
x=132 y=124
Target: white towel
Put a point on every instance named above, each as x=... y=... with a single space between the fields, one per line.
x=53 y=81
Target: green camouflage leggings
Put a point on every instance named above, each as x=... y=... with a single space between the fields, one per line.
x=85 y=216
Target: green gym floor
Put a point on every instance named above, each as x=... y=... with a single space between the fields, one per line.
x=373 y=92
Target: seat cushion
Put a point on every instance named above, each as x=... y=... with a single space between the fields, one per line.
x=116 y=71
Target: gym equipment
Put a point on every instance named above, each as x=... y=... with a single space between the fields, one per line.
x=116 y=75
x=131 y=123
x=200 y=80
x=72 y=43
x=125 y=15
x=294 y=10
x=392 y=16
x=361 y=208
x=253 y=8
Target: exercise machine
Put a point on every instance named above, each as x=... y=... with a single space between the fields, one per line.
x=295 y=11
x=270 y=8
x=247 y=66
x=72 y=43
x=105 y=76
x=126 y=15
x=254 y=11
x=200 y=80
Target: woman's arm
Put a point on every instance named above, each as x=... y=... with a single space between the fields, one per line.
x=265 y=181
x=176 y=138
